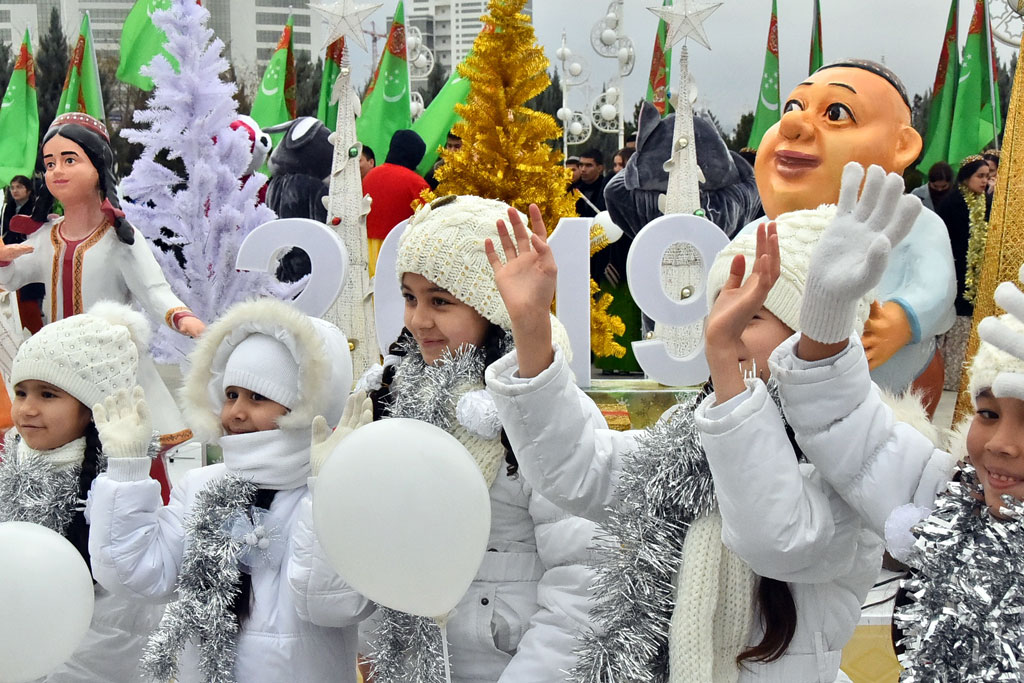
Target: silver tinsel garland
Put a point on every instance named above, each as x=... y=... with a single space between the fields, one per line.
x=208 y=582
x=33 y=490
x=966 y=620
x=665 y=484
x=406 y=647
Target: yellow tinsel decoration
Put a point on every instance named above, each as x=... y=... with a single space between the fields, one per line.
x=1004 y=248
x=976 y=244
x=604 y=327
x=505 y=153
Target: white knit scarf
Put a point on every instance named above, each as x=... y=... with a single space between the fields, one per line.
x=273 y=459
x=63 y=457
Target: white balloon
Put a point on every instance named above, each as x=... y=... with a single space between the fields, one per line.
x=608 y=36
x=608 y=112
x=575 y=128
x=575 y=68
x=46 y=601
x=403 y=515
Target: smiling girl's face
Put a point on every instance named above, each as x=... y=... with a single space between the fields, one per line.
x=47 y=417
x=437 y=320
x=70 y=176
x=995 y=446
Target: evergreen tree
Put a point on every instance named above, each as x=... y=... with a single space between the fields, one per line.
x=741 y=133
x=52 y=61
x=506 y=153
x=6 y=65
x=188 y=199
x=307 y=83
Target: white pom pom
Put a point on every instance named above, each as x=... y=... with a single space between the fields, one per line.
x=477 y=413
x=125 y=316
x=899 y=539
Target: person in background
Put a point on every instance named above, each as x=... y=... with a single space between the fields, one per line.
x=631 y=141
x=621 y=157
x=453 y=143
x=18 y=201
x=393 y=186
x=992 y=158
x=591 y=183
x=940 y=182
x=367 y=161
x=573 y=164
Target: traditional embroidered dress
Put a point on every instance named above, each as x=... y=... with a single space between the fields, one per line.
x=77 y=274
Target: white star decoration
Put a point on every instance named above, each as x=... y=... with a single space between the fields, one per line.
x=345 y=18
x=684 y=22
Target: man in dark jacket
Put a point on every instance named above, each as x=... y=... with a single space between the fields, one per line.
x=591 y=184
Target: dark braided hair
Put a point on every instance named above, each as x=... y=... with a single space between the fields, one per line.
x=240 y=606
x=102 y=158
x=91 y=462
x=494 y=346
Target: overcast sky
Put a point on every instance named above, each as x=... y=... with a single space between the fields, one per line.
x=905 y=34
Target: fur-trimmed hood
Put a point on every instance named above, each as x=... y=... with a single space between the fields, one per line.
x=909 y=408
x=319 y=348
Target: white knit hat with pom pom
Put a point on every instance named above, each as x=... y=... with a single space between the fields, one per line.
x=91 y=355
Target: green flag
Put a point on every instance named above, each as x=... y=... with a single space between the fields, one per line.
x=19 y=118
x=82 y=84
x=975 y=120
x=386 y=104
x=275 y=100
x=940 y=115
x=816 y=60
x=325 y=111
x=141 y=41
x=767 y=114
x=438 y=118
x=660 y=79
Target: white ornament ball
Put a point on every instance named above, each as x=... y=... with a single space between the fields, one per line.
x=412 y=43
x=575 y=68
x=575 y=128
x=623 y=55
x=420 y=61
x=612 y=20
x=415 y=108
x=608 y=36
x=611 y=95
x=608 y=112
x=563 y=113
x=563 y=53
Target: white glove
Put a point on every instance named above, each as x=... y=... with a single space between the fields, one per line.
x=853 y=252
x=997 y=333
x=124 y=424
x=358 y=412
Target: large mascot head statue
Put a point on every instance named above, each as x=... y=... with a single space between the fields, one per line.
x=853 y=110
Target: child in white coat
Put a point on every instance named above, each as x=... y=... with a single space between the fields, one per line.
x=960 y=531
x=530 y=600
x=61 y=377
x=788 y=536
x=221 y=548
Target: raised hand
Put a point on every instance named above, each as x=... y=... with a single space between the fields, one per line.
x=735 y=307
x=526 y=282
x=358 y=412
x=853 y=252
x=124 y=424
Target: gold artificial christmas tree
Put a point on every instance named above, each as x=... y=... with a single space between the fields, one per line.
x=1004 y=248
x=505 y=153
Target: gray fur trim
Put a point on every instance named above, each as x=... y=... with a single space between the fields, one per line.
x=208 y=582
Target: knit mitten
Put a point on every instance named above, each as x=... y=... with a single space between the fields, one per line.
x=358 y=412
x=853 y=252
x=125 y=430
x=1003 y=334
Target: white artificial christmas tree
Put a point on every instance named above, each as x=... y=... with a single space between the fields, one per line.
x=197 y=216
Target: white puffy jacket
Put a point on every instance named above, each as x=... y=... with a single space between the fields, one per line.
x=845 y=428
x=137 y=544
x=521 y=617
x=778 y=516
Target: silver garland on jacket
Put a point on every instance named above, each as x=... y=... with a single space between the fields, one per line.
x=208 y=583
x=665 y=484
x=33 y=490
x=967 y=616
x=407 y=647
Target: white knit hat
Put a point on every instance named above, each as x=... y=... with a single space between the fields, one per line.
x=444 y=243
x=999 y=362
x=799 y=232
x=91 y=355
x=262 y=364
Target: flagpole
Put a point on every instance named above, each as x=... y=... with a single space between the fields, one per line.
x=996 y=113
